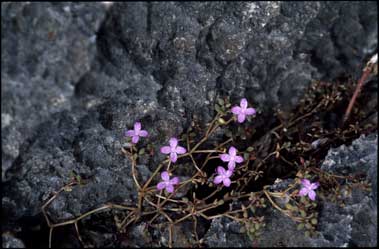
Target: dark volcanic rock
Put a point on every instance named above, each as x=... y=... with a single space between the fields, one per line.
x=45 y=49
x=9 y=241
x=225 y=232
x=353 y=224
x=360 y=209
x=76 y=75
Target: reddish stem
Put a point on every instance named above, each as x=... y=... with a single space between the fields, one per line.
x=364 y=76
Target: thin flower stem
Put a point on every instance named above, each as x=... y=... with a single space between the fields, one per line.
x=208 y=151
x=152 y=176
x=212 y=194
x=212 y=123
x=50 y=236
x=183 y=218
x=172 y=200
x=170 y=235
x=78 y=234
x=366 y=72
x=133 y=168
x=280 y=209
x=195 y=229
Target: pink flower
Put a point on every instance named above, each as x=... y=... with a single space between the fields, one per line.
x=242 y=111
x=308 y=189
x=167 y=183
x=223 y=176
x=173 y=149
x=232 y=158
x=136 y=133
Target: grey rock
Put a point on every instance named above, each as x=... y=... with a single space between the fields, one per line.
x=9 y=241
x=45 y=49
x=358 y=158
x=76 y=75
x=360 y=210
x=354 y=224
x=225 y=232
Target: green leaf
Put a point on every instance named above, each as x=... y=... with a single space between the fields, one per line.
x=257 y=226
x=141 y=151
x=289 y=206
x=78 y=179
x=246 y=156
x=220 y=101
x=228 y=133
x=308 y=226
x=307 y=233
x=221 y=121
x=314 y=221
x=302 y=213
x=68 y=189
x=249 y=149
x=218 y=108
x=300 y=226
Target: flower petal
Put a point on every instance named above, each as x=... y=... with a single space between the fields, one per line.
x=161 y=185
x=229 y=173
x=241 y=118
x=137 y=126
x=166 y=149
x=306 y=183
x=225 y=157
x=231 y=165
x=220 y=170
x=175 y=180
x=312 y=195
x=236 y=110
x=169 y=188
x=217 y=180
x=303 y=192
x=250 y=111
x=227 y=182
x=173 y=142
x=173 y=157
x=314 y=185
x=232 y=151
x=243 y=103
x=238 y=159
x=165 y=176
x=180 y=150
x=143 y=133
x=135 y=139
x=129 y=133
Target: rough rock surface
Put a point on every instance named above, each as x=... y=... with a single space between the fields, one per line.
x=76 y=75
x=9 y=241
x=225 y=232
x=354 y=224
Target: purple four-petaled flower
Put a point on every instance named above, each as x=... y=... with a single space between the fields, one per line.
x=174 y=149
x=231 y=158
x=223 y=176
x=308 y=189
x=136 y=133
x=242 y=111
x=167 y=183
